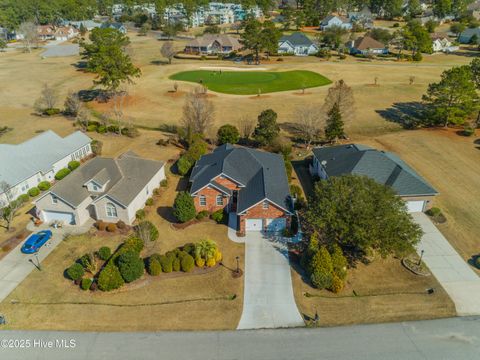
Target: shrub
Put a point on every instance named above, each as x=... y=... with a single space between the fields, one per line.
x=154 y=267
x=183 y=207
x=477 y=262
x=218 y=216
x=289 y=169
x=187 y=263
x=33 y=192
x=51 y=111
x=184 y=165
x=176 y=264
x=133 y=244
x=218 y=256
x=337 y=284
x=110 y=278
x=44 y=185
x=113 y=129
x=189 y=248
x=200 y=262
x=202 y=214
x=296 y=191
x=92 y=128
x=149 y=202
x=102 y=129
x=468 y=130
x=131 y=266
x=97 y=146
x=111 y=227
x=140 y=214
x=121 y=225
x=131 y=132
x=417 y=57
x=23 y=198
x=147 y=231
x=86 y=283
x=434 y=212
x=164 y=183
x=94 y=286
x=62 y=173
x=72 y=165
x=86 y=260
x=211 y=262
x=101 y=225
x=104 y=253
x=167 y=263
x=228 y=134
x=75 y=272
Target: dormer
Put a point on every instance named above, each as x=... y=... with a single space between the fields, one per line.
x=98 y=183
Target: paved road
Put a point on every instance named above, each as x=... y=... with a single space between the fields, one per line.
x=268 y=294
x=457 y=277
x=449 y=339
x=61 y=50
x=15 y=266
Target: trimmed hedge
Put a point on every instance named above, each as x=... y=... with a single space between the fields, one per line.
x=43 y=185
x=154 y=266
x=72 y=165
x=184 y=165
x=110 y=278
x=183 y=207
x=104 y=253
x=86 y=283
x=33 y=192
x=62 y=173
x=187 y=263
x=140 y=214
x=218 y=216
x=166 y=262
x=176 y=264
x=131 y=266
x=75 y=272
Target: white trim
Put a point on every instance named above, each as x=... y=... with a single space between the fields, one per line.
x=59 y=197
x=210 y=184
x=204 y=198
x=112 y=199
x=108 y=208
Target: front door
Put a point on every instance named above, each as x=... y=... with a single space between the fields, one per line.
x=233 y=201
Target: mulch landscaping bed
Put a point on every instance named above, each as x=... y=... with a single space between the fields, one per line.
x=181 y=226
x=13 y=242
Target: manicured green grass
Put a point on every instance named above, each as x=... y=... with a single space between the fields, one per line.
x=251 y=82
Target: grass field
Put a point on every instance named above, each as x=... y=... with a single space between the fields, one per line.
x=253 y=82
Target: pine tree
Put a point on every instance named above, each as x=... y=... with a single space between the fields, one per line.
x=334 y=127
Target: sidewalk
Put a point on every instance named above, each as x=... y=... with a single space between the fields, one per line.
x=16 y=266
x=457 y=278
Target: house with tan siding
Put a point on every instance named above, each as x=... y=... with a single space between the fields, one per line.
x=105 y=189
x=249 y=183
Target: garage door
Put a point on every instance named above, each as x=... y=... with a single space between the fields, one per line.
x=276 y=224
x=65 y=217
x=253 y=225
x=415 y=206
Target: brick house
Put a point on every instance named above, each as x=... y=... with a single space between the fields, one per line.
x=250 y=183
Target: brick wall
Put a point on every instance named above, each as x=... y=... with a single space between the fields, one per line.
x=211 y=197
x=227 y=183
x=258 y=212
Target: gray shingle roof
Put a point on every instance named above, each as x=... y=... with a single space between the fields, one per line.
x=125 y=177
x=261 y=173
x=19 y=162
x=297 y=39
x=467 y=34
x=384 y=167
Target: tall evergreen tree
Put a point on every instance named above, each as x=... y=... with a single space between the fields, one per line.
x=334 y=127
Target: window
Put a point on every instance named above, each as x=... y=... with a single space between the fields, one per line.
x=147 y=191
x=265 y=204
x=54 y=199
x=95 y=188
x=203 y=200
x=25 y=186
x=111 y=210
x=219 y=200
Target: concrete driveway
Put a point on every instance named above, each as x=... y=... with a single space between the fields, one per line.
x=457 y=277
x=268 y=295
x=16 y=266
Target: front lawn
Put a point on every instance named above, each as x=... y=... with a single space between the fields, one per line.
x=251 y=82
x=176 y=301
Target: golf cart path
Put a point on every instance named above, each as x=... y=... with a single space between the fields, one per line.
x=16 y=266
x=458 y=279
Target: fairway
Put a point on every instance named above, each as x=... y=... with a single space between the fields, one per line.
x=252 y=82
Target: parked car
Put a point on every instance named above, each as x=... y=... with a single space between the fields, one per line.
x=36 y=241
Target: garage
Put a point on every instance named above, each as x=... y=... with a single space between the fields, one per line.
x=65 y=217
x=415 y=206
x=276 y=225
x=253 y=224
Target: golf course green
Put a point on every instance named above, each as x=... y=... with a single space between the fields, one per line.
x=252 y=82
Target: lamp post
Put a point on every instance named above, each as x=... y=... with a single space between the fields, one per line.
x=38 y=261
x=421 y=256
x=238 y=266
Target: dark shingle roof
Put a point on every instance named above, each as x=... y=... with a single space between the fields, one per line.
x=261 y=174
x=124 y=177
x=384 y=167
x=297 y=39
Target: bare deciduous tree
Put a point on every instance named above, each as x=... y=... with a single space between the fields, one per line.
x=30 y=36
x=73 y=104
x=83 y=117
x=168 y=51
x=9 y=205
x=342 y=94
x=246 y=126
x=198 y=113
x=310 y=122
x=47 y=100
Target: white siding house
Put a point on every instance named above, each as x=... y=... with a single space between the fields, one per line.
x=24 y=165
x=297 y=44
x=335 y=21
